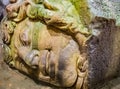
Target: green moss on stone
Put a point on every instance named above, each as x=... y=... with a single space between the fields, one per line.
x=83 y=10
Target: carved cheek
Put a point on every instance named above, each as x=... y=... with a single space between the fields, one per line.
x=67 y=66
x=67 y=73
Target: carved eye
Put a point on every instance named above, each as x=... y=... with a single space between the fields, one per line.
x=24 y=37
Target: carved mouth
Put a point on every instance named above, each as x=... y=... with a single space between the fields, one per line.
x=50 y=68
x=47 y=63
x=44 y=62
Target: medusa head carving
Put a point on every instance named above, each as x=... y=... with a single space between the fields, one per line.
x=44 y=39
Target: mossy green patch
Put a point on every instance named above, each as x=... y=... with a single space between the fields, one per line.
x=83 y=10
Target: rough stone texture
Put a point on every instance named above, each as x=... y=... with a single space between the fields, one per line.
x=106 y=8
x=113 y=84
x=104 y=49
x=12 y=79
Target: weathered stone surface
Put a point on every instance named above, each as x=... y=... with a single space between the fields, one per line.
x=109 y=9
x=104 y=46
x=104 y=50
x=81 y=49
x=48 y=43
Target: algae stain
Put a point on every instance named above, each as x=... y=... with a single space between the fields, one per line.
x=83 y=10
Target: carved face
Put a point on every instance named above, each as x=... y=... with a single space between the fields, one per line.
x=53 y=53
x=42 y=48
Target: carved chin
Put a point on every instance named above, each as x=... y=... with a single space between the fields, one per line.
x=61 y=72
